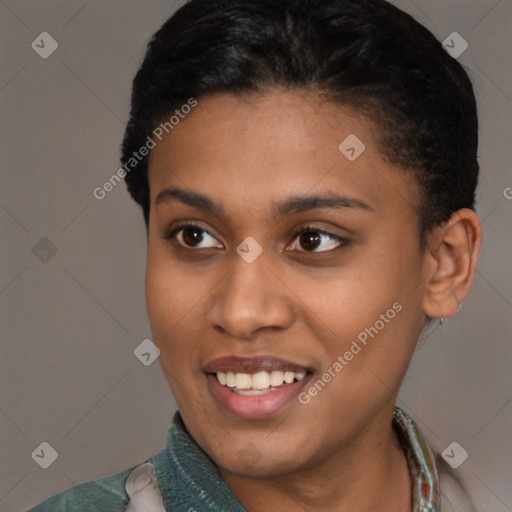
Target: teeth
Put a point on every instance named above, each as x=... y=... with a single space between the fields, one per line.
x=276 y=378
x=230 y=380
x=260 y=380
x=288 y=377
x=257 y=383
x=253 y=391
x=243 y=381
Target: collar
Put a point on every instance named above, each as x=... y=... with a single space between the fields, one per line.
x=421 y=463
x=200 y=475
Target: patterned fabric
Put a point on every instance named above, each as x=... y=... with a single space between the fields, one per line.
x=421 y=463
x=182 y=478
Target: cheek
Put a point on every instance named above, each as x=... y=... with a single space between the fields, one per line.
x=171 y=291
x=347 y=300
x=171 y=299
x=170 y=304
x=372 y=312
x=161 y=300
x=176 y=301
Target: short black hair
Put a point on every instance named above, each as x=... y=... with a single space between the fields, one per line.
x=365 y=54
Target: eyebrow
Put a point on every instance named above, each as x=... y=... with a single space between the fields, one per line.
x=193 y=199
x=294 y=204
x=300 y=204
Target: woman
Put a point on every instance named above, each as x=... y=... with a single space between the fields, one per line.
x=306 y=171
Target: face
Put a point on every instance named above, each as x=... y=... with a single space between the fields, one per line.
x=284 y=280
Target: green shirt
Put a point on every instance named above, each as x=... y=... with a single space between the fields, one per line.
x=190 y=482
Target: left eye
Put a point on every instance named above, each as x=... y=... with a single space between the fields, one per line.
x=314 y=240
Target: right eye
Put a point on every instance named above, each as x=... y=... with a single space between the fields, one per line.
x=192 y=236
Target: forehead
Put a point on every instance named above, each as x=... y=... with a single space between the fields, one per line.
x=243 y=150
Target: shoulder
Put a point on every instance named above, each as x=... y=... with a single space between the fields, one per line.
x=104 y=494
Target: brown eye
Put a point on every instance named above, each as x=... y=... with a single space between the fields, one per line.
x=192 y=236
x=309 y=239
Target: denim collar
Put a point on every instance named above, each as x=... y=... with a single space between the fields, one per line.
x=421 y=461
x=189 y=478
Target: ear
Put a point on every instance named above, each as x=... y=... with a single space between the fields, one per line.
x=451 y=259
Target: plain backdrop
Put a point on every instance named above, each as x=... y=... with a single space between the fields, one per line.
x=72 y=266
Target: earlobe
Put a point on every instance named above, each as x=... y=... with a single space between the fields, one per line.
x=451 y=259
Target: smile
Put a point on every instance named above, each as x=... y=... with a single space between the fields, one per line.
x=255 y=388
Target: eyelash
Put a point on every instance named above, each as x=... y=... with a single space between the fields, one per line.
x=171 y=233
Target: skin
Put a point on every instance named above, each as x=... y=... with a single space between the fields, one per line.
x=339 y=452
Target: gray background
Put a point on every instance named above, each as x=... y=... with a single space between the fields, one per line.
x=70 y=324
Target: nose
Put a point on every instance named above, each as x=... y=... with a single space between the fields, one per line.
x=250 y=298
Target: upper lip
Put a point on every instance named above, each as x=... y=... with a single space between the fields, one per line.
x=249 y=365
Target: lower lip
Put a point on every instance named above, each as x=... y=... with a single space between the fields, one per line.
x=255 y=407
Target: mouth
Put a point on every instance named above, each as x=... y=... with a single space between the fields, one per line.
x=255 y=388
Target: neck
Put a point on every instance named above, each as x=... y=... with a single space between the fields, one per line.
x=370 y=474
